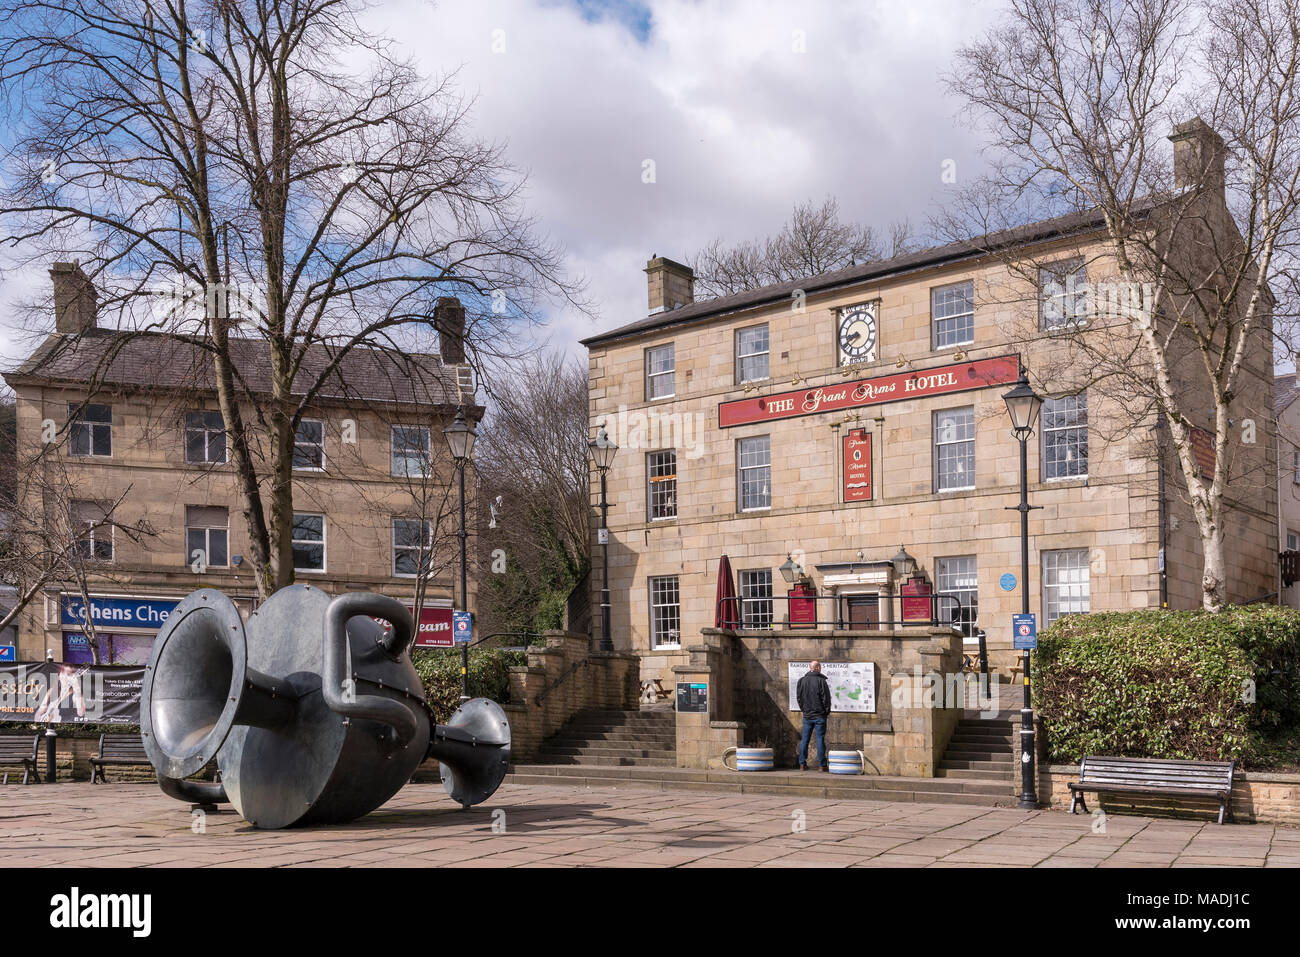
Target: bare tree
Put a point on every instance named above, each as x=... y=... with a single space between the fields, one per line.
x=814 y=240
x=264 y=173
x=1079 y=98
x=534 y=506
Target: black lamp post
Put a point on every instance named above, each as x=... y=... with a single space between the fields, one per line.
x=602 y=450
x=460 y=439
x=1023 y=405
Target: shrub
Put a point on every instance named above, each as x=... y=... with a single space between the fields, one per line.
x=1169 y=684
x=439 y=670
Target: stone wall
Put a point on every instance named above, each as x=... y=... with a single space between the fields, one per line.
x=581 y=680
x=748 y=679
x=1258 y=797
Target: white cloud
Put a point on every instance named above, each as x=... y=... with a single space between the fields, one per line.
x=740 y=125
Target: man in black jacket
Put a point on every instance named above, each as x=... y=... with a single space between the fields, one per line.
x=814 y=697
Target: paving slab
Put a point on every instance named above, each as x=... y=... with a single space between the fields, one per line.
x=567 y=825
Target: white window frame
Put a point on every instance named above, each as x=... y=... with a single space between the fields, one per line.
x=1052 y=563
x=407 y=453
x=324 y=535
x=76 y=411
x=655 y=641
x=765 y=352
x=938 y=443
x=741 y=469
x=943 y=585
x=936 y=319
x=1295 y=476
x=670 y=372
x=1055 y=311
x=208 y=432
x=747 y=580
x=1045 y=430
x=653 y=481
x=420 y=550
x=207 y=542
x=1292 y=541
x=92 y=532
x=320 y=445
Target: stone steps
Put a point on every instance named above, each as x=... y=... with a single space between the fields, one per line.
x=788 y=783
x=980 y=750
x=613 y=739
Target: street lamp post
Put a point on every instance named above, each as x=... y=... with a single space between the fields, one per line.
x=602 y=450
x=1023 y=405
x=460 y=439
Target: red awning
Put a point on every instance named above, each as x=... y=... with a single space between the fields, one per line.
x=726 y=610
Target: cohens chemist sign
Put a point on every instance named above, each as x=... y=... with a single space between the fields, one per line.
x=122 y=612
x=891 y=388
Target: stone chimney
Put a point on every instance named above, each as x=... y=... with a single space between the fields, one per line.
x=670 y=286
x=1198 y=157
x=75 y=301
x=449 y=320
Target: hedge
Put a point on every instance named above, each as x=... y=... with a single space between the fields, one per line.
x=1166 y=684
x=439 y=670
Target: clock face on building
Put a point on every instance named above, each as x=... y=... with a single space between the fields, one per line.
x=857 y=336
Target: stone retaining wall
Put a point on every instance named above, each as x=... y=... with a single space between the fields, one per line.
x=748 y=679
x=583 y=680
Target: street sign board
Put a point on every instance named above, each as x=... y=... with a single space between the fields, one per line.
x=462 y=627
x=1024 y=632
x=8 y=653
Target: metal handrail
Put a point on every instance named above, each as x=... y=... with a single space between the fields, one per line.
x=569 y=672
x=731 y=611
x=508 y=634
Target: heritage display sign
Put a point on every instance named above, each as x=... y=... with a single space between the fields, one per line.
x=852 y=683
x=940 y=380
x=857 y=466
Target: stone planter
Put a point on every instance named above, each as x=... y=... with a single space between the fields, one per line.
x=749 y=759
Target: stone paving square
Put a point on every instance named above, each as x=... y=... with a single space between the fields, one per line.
x=136 y=825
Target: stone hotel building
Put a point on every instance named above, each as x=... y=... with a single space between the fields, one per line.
x=133 y=422
x=839 y=418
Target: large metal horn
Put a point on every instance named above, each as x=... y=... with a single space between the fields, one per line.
x=473 y=751
x=313 y=711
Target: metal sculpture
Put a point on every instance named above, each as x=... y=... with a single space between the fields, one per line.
x=312 y=709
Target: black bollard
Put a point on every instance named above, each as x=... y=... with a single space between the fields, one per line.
x=50 y=737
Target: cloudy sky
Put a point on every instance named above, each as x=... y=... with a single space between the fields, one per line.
x=745 y=107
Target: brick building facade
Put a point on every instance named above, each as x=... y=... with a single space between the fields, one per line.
x=840 y=417
x=133 y=422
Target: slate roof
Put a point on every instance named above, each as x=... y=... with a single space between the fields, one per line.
x=1285 y=391
x=1042 y=231
x=114 y=359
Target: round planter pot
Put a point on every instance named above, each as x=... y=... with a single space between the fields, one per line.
x=846 y=762
x=748 y=759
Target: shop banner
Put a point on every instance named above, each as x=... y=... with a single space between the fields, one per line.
x=940 y=380
x=112 y=610
x=67 y=693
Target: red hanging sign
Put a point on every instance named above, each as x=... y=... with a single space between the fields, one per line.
x=803 y=606
x=941 y=380
x=857 y=466
x=915 y=598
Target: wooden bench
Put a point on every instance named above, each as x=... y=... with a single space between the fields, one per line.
x=20 y=750
x=1155 y=776
x=117 y=749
